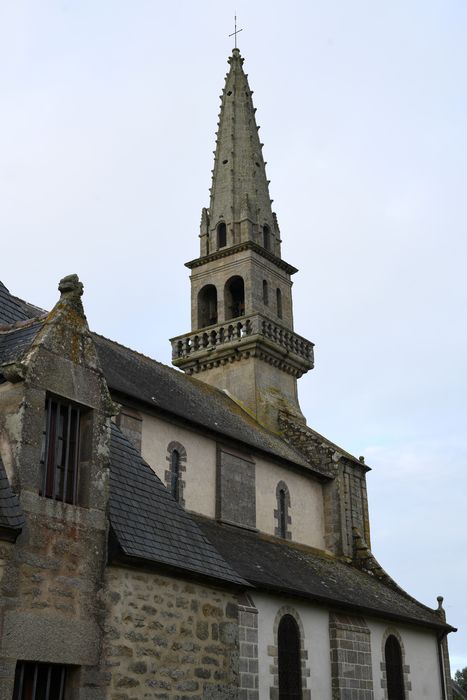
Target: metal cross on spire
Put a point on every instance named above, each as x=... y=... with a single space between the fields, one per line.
x=237 y=31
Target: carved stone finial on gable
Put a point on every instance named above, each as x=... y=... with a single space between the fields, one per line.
x=71 y=286
x=440 y=610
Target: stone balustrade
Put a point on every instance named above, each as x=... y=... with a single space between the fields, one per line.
x=238 y=329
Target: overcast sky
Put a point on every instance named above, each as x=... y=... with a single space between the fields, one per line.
x=107 y=117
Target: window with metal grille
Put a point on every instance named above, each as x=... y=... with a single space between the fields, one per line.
x=60 y=451
x=394 y=671
x=34 y=681
x=289 y=661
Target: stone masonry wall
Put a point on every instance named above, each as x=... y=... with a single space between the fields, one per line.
x=168 y=639
x=351 y=669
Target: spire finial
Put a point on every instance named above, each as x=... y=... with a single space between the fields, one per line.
x=237 y=31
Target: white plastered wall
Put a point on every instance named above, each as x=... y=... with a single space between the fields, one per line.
x=315 y=622
x=306 y=503
x=200 y=475
x=421 y=655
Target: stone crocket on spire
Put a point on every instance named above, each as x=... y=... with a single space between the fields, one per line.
x=242 y=338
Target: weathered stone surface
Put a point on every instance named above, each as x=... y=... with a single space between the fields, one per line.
x=195 y=646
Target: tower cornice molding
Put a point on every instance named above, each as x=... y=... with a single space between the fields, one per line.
x=247 y=245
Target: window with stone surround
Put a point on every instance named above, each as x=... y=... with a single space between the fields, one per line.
x=234 y=296
x=265 y=293
x=37 y=681
x=281 y=514
x=279 y=302
x=289 y=657
x=266 y=238
x=176 y=457
x=221 y=235
x=395 y=672
x=65 y=439
x=207 y=306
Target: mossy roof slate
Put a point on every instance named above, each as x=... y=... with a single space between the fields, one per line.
x=277 y=565
x=150 y=525
x=137 y=376
x=11 y=515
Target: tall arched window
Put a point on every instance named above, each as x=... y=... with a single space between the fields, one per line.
x=234 y=295
x=282 y=514
x=266 y=238
x=279 y=302
x=207 y=306
x=221 y=235
x=265 y=293
x=394 y=670
x=175 y=474
x=289 y=662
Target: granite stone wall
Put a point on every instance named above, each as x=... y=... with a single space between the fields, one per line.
x=351 y=668
x=168 y=639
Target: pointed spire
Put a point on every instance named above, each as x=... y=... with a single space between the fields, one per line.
x=239 y=173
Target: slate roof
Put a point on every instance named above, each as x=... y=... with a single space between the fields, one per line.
x=148 y=522
x=11 y=309
x=15 y=342
x=166 y=389
x=276 y=565
x=11 y=515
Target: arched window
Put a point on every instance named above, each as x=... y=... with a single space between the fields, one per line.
x=289 y=661
x=234 y=296
x=394 y=670
x=281 y=514
x=265 y=293
x=175 y=474
x=207 y=306
x=266 y=238
x=221 y=235
x=176 y=457
x=279 y=302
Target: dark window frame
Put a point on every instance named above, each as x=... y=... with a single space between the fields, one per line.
x=289 y=659
x=36 y=680
x=221 y=235
x=60 y=455
x=393 y=660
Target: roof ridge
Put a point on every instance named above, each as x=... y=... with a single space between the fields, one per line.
x=214 y=390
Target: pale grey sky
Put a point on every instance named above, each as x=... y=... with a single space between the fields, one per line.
x=107 y=117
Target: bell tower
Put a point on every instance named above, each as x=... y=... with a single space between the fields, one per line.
x=242 y=338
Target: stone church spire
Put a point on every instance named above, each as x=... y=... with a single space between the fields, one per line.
x=240 y=198
x=242 y=338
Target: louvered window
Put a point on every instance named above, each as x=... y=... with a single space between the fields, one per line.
x=290 y=669
x=34 y=681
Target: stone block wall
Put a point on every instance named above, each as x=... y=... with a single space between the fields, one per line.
x=351 y=667
x=169 y=639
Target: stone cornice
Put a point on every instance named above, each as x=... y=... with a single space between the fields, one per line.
x=247 y=245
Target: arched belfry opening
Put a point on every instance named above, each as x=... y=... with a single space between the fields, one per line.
x=207 y=306
x=289 y=661
x=221 y=235
x=234 y=296
x=394 y=669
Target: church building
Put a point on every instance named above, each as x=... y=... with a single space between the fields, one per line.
x=184 y=534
